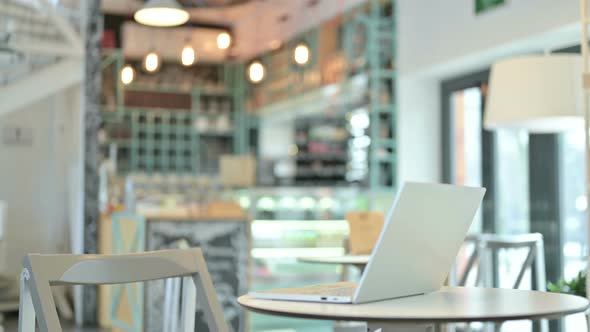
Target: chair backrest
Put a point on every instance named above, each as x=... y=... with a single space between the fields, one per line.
x=42 y=271
x=485 y=244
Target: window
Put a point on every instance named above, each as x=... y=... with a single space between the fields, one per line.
x=573 y=203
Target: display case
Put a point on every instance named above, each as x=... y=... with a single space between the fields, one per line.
x=292 y=222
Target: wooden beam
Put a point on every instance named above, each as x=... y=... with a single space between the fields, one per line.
x=40 y=84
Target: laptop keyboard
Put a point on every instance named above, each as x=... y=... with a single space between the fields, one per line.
x=337 y=289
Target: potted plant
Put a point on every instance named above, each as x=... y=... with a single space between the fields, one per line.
x=576 y=286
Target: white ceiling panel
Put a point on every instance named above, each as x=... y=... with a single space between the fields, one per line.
x=256 y=24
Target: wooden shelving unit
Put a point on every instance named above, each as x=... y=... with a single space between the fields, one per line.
x=177 y=120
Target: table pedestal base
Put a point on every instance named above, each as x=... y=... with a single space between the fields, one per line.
x=402 y=327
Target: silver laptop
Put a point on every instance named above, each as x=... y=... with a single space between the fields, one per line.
x=420 y=239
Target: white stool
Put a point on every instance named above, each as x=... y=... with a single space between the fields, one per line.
x=486 y=245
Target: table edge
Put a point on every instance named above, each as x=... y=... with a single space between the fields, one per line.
x=458 y=319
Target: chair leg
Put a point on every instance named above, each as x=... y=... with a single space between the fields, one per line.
x=176 y=298
x=168 y=313
x=63 y=306
x=540 y=275
x=189 y=305
x=26 y=312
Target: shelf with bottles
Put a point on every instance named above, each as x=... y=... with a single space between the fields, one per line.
x=322 y=150
x=165 y=120
x=215 y=116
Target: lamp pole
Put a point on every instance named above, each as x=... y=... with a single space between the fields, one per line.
x=586 y=86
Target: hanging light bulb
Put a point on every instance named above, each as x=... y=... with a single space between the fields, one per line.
x=188 y=56
x=151 y=62
x=223 y=40
x=256 y=72
x=127 y=75
x=161 y=13
x=301 y=54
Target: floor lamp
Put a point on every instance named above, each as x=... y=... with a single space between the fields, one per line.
x=543 y=94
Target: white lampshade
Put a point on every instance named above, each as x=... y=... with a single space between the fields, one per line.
x=161 y=13
x=541 y=94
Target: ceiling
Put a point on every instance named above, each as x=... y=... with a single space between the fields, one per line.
x=32 y=35
x=139 y=40
x=258 y=25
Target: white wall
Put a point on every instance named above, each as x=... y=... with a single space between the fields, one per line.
x=439 y=40
x=34 y=179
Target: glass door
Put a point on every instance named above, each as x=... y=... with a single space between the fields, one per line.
x=466 y=134
x=496 y=160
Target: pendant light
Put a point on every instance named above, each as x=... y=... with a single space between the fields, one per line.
x=161 y=13
x=256 y=72
x=301 y=54
x=188 y=56
x=151 y=62
x=223 y=40
x=539 y=93
x=127 y=75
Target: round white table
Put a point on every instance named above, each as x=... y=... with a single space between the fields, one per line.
x=359 y=261
x=425 y=312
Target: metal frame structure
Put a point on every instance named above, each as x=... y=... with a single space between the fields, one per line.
x=378 y=26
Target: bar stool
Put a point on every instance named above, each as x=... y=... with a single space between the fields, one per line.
x=487 y=245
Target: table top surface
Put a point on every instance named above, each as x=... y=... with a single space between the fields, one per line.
x=345 y=259
x=450 y=304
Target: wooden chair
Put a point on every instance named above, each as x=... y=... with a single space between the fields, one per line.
x=42 y=271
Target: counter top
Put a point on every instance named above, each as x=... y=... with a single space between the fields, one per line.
x=218 y=210
x=175 y=216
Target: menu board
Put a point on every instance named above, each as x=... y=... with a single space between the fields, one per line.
x=226 y=249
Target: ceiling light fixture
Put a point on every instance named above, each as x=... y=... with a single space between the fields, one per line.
x=256 y=72
x=151 y=62
x=188 y=56
x=539 y=93
x=223 y=40
x=161 y=13
x=127 y=75
x=301 y=54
